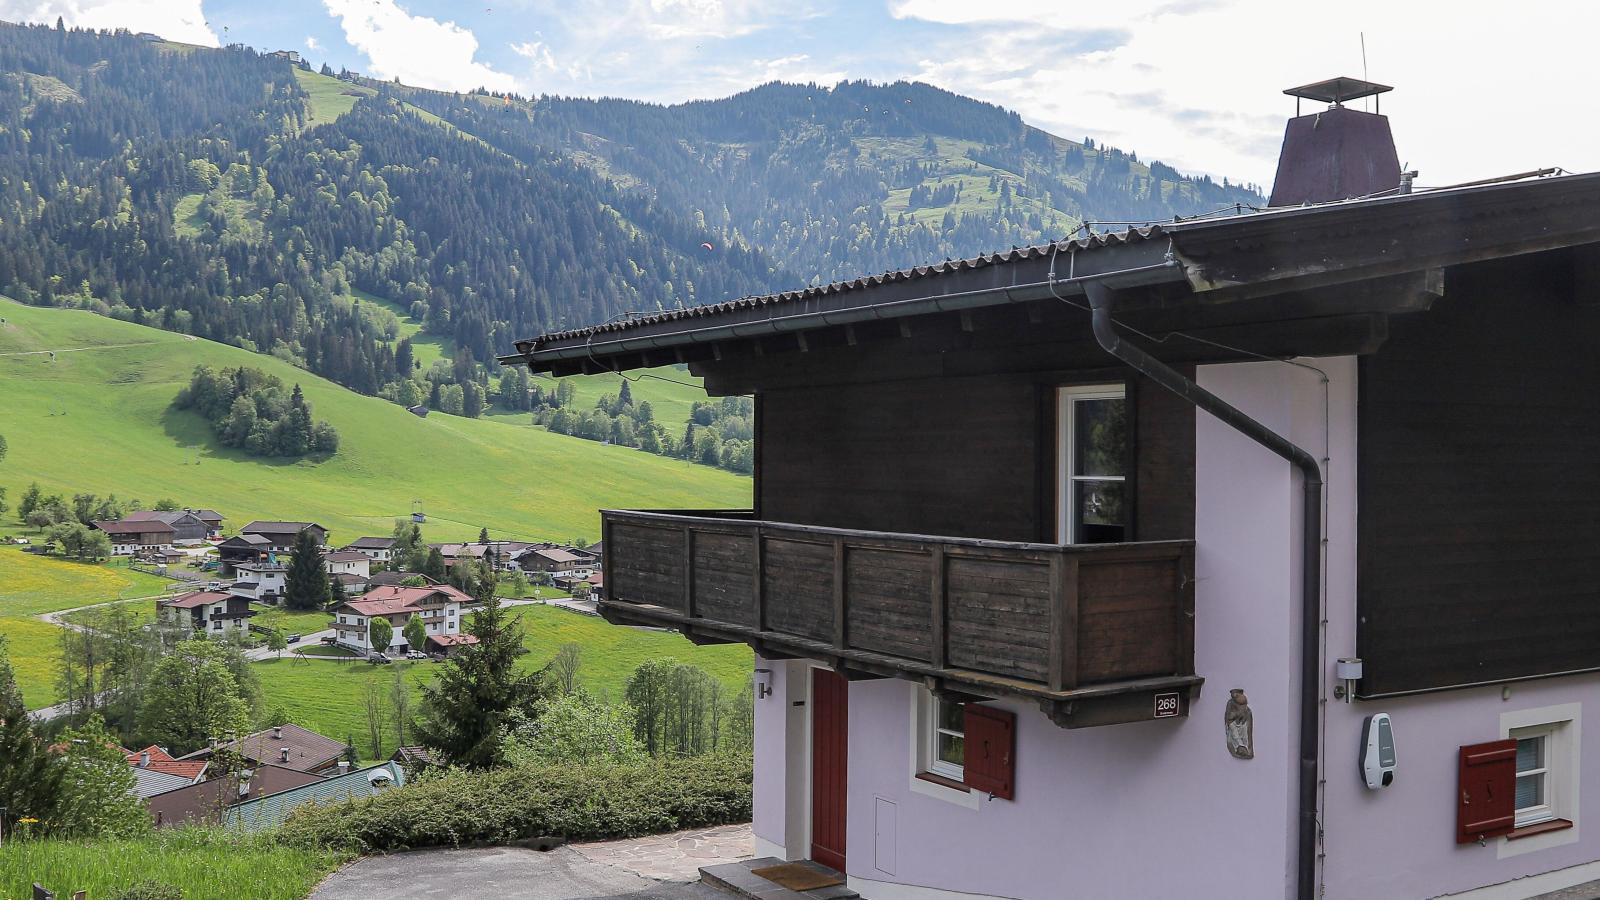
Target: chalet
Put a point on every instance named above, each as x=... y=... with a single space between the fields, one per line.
x=1335 y=461
x=501 y=555
x=286 y=746
x=379 y=549
x=438 y=605
x=551 y=562
x=280 y=536
x=395 y=579
x=448 y=644
x=264 y=582
x=131 y=537
x=207 y=612
x=243 y=548
x=187 y=527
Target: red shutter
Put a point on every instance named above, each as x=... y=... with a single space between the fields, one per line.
x=991 y=743
x=1488 y=802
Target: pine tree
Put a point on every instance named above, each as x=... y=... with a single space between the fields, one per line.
x=433 y=566
x=30 y=776
x=306 y=583
x=483 y=535
x=478 y=691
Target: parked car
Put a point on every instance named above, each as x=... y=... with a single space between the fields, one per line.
x=293 y=638
x=416 y=654
x=329 y=640
x=379 y=659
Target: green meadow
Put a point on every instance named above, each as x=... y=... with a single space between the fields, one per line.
x=330 y=697
x=94 y=415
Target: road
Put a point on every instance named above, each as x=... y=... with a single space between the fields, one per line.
x=503 y=872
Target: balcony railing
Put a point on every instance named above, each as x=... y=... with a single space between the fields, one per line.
x=1096 y=633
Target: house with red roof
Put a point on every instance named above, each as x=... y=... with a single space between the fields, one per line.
x=438 y=605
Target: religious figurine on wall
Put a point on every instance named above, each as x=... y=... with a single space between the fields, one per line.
x=1240 y=725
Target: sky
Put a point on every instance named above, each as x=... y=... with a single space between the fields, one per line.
x=1194 y=83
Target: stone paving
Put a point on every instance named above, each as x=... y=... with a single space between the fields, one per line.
x=674 y=857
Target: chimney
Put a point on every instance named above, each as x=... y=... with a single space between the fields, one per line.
x=144 y=759
x=283 y=754
x=244 y=783
x=344 y=766
x=1337 y=153
x=277 y=732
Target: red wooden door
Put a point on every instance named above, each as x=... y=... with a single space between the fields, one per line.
x=830 y=707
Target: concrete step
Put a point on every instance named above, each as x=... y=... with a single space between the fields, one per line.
x=738 y=879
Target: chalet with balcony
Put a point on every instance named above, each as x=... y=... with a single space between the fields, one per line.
x=190 y=526
x=279 y=537
x=1087 y=569
x=207 y=612
x=439 y=606
x=379 y=549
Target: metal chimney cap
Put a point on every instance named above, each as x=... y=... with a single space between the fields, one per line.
x=1338 y=90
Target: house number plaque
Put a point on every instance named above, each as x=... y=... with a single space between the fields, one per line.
x=1166 y=705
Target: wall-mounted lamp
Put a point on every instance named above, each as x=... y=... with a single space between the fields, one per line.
x=763 y=683
x=1348 y=671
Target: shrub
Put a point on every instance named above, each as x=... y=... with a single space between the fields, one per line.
x=588 y=802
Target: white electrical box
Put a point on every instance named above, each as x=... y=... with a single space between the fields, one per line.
x=1377 y=751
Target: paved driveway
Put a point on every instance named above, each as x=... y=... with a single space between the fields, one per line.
x=499 y=872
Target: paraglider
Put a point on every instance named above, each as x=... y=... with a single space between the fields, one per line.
x=707 y=245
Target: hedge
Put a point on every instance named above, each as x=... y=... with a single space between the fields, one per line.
x=578 y=802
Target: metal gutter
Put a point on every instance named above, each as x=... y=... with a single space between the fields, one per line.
x=1101 y=301
x=1166 y=271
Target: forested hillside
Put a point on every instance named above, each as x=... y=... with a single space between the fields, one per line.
x=357 y=228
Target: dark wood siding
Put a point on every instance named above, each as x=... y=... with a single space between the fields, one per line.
x=965 y=457
x=1480 y=484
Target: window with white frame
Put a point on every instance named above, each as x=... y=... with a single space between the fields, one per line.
x=1535 y=800
x=1092 y=458
x=943 y=738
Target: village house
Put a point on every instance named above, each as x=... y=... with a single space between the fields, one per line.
x=263 y=582
x=280 y=536
x=438 y=605
x=1334 y=461
x=379 y=549
x=288 y=746
x=155 y=771
x=242 y=548
x=132 y=537
x=348 y=562
x=553 y=562
x=208 y=612
x=187 y=526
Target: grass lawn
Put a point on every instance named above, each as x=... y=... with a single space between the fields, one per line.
x=30 y=585
x=203 y=863
x=425 y=348
x=329 y=697
x=292 y=621
x=64 y=415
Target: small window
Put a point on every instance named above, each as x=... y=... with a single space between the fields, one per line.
x=1533 y=794
x=1092 y=451
x=946 y=739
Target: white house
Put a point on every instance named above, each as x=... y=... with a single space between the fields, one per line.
x=439 y=606
x=210 y=612
x=263 y=582
x=1335 y=461
x=131 y=537
x=348 y=562
x=379 y=549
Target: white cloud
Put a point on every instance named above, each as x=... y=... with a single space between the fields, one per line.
x=416 y=49
x=1197 y=84
x=312 y=44
x=175 y=20
x=538 y=52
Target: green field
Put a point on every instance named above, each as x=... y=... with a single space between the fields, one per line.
x=203 y=863
x=30 y=585
x=98 y=419
x=329 y=697
x=425 y=348
x=328 y=98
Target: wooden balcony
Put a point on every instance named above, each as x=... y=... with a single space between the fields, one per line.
x=1096 y=634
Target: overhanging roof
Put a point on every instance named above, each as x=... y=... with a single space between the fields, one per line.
x=1224 y=258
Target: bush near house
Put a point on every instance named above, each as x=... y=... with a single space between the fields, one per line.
x=595 y=801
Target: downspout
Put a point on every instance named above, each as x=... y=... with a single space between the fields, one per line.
x=1101 y=300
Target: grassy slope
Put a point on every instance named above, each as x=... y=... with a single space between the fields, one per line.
x=425 y=348
x=30 y=585
x=329 y=98
x=99 y=421
x=329 y=697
